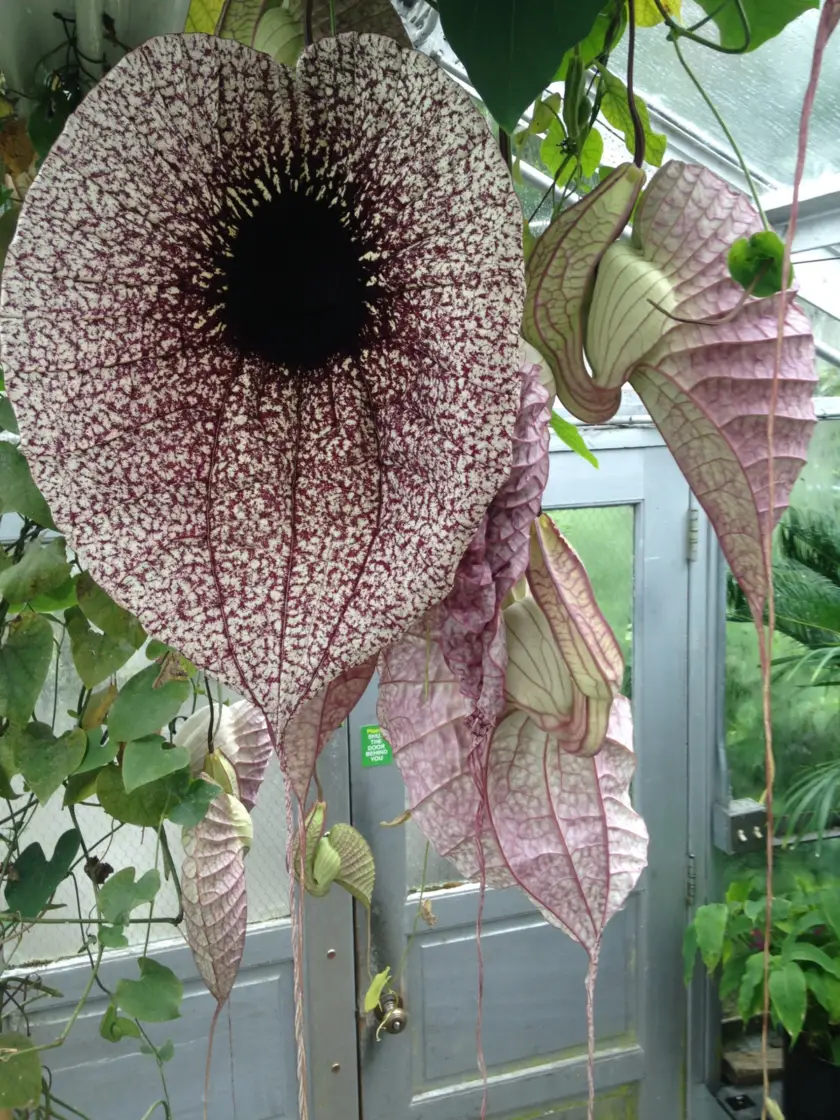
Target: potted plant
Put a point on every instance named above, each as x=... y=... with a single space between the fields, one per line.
x=804 y=979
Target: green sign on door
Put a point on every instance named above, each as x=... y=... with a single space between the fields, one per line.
x=376 y=750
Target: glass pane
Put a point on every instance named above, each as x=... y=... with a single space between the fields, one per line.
x=603 y=537
x=759 y=96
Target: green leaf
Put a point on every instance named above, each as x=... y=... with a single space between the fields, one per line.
x=155 y=997
x=804 y=951
x=559 y=163
x=42 y=567
x=141 y=709
x=710 y=924
x=18 y=493
x=166 y=1052
x=79 y=787
x=593 y=44
x=121 y=894
x=203 y=15
x=58 y=599
x=546 y=111
x=765 y=17
x=513 y=48
x=616 y=111
x=95 y=656
x=112 y=937
x=146 y=807
x=279 y=35
x=8 y=224
x=20 y=1071
x=36 y=878
x=826 y=989
x=114 y=1027
x=377 y=985
x=789 y=997
x=753 y=974
x=570 y=435
x=830 y=902
x=147 y=759
x=100 y=609
x=732 y=976
x=591 y=152
x=193 y=805
x=7 y=416
x=98 y=754
x=756 y=263
x=46 y=761
x=24 y=663
x=96 y=709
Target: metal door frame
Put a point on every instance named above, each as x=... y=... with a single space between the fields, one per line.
x=642 y=482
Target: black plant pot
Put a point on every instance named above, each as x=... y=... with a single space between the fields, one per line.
x=811 y=1085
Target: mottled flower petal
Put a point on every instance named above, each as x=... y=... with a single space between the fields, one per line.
x=564 y=822
x=561 y=589
x=262 y=344
x=315 y=722
x=424 y=715
x=241 y=734
x=467 y=622
x=213 y=892
x=709 y=386
x=561 y=272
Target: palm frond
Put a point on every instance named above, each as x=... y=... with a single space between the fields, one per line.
x=807 y=604
x=812 y=539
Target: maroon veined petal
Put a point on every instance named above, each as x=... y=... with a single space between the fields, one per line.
x=561 y=272
x=213 y=893
x=561 y=589
x=467 y=622
x=708 y=386
x=424 y=715
x=241 y=734
x=278 y=480
x=313 y=725
x=564 y=823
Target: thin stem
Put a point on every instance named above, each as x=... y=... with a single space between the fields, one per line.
x=212 y=720
x=504 y=146
x=742 y=163
x=332 y=17
x=417 y=915
x=77 y=1010
x=307 y=24
x=169 y=863
x=679 y=32
x=638 y=127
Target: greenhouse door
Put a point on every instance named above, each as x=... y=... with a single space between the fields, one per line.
x=630 y=522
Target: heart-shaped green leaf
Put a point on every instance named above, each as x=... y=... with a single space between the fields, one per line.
x=43 y=567
x=121 y=894
x=98 y=754
x=114 y=1027
x=147 y=759
x=20 y=1071
x=18 y=493
x=46 y=761
x=141 y=709
x=155 y=997
x=95 y=656
x=34 y=879
x=100 y=609
x=377 y=985
x=25 y=658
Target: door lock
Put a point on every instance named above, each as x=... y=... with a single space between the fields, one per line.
x=391 y=1014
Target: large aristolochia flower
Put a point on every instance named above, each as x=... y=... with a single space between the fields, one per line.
x=260 y=331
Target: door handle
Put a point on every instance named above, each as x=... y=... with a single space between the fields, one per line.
x=391 y=1014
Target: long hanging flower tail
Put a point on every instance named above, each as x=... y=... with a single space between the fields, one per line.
x=296 y=848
